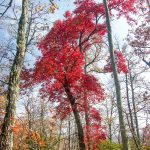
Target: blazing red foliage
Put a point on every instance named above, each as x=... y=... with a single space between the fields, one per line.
x=120 y=63
x=62 y=61
x=94 y=131
x=122 y=7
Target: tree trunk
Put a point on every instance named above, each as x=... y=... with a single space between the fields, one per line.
x=129 y=107
x=69 y=134
x=77 y=116
x=59 y=138
x=125 y=142
x=86 y=109
x=131 y=123
x=134 y=110
x=109 y=118
x=6 y=137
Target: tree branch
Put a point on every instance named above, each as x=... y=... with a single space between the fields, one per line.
x=7 y=7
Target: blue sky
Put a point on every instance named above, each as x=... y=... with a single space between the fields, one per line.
x=119 y=27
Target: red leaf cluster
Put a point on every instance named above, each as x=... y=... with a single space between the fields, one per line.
x=120 y=63
x=62 y=61
x=95 y=132
x=63 y=57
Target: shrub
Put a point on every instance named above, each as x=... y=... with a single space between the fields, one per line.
x=107 y=145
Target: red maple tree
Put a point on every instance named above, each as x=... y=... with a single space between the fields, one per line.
x=60 y=70
x=61 y=67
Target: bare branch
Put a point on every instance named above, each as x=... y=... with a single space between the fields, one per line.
x=7 y=7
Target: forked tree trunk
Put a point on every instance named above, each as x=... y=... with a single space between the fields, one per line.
x=125 y=142
x=77 y=117
x=6 y=137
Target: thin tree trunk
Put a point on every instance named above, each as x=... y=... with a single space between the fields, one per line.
x=109 y=121
x=6 y=137
x=86 y=109
x=69 y=138
x=125 y=142
x=59 y=138
x=129 y=107
x=30 y=122
x=42 y=115
x=133 y=134
x=134 y=110
x=76 y=115
x=131 y=123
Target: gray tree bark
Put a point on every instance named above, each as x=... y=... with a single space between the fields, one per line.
x=125 y=142
x=6 y=136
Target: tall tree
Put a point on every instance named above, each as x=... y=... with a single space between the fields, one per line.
x=124 y=136
x=60 y=68
x=6 y=137
x=134 y=108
